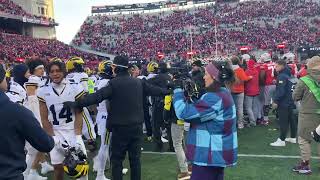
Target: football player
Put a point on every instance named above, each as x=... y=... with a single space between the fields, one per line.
x=16 y=90
x=76 y=74
x=64 y=124
x=269 y=88
x=105 y=72
x=34 y=157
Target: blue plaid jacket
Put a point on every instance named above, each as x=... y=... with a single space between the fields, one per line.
x=212 y=139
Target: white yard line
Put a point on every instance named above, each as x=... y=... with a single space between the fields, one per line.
x=240 y=155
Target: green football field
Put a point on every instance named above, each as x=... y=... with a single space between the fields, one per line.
x=257 y=160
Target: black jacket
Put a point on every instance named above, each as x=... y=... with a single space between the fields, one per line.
x=162 y=80
x=284 y=88
x=197 y=77
x=125 y=94
x=17 y=125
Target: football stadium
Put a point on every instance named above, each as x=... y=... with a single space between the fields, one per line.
x=163 y=90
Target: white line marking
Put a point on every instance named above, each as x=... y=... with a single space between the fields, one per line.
x=239 y=155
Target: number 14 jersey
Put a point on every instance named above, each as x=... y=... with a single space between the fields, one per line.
x=60 y=117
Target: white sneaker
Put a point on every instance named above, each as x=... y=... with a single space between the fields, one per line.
x=278 y=143
x=291 y=140
x=164 y=140
x=36 y=176
x=46 y=167
x=124 y=171
x=101 y=178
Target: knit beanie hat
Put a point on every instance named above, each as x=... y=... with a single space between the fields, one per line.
x=213 y=71
x=18 y=73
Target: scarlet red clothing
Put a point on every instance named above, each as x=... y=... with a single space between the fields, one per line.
x=303 y=72
x=269 y=69
x=293 y=69
x=251 y=87
x=241 y=77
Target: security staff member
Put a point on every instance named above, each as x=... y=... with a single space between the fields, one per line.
x=162 y=80
x=125 y=119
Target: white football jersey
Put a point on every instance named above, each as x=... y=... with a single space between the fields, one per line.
x=151 y=76
x=35 y=81
x=142 y=77
x=61 y=118
x=80 y=78
x=16 y=93
x=102 y=107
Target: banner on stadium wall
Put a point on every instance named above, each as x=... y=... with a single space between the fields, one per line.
x=35 y=21
x=144 y=6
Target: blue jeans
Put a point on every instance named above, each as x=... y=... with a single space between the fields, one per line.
x=238 y=100
x=252 y=108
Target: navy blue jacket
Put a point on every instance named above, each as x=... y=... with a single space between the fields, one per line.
x=283 y=93
x=17 y=125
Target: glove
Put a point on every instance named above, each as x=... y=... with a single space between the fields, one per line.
x=78 y=144
x=274 y=106
x=60 y=145
x=315 y=136
x=69 y=104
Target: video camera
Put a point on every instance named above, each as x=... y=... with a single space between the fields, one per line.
x=182 y=78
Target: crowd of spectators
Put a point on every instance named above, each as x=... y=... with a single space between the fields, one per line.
x=13 y=46
x=9 y=7
x=258 y=24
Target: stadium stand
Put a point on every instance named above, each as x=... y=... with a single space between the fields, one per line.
x=258 y=24
x=9 y=7
x=13 y=46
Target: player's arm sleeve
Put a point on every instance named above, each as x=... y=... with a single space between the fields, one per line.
x=299 y=91
x=40 y=96
x=243 y=76
x=167 y=107
x=33 y=81
x=151 y=90
x=30 y=128
x=84 y=83
x=95 y=98
x=32 y=85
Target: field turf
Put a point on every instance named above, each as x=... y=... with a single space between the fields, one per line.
x=252 y=141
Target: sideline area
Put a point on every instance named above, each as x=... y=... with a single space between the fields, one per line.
x=257 y=159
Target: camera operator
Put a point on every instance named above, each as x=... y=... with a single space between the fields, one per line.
x=163 y=79
x=197 y=74
x=212 y=139
x=125 y=119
